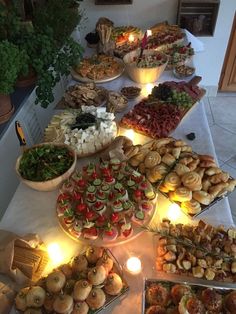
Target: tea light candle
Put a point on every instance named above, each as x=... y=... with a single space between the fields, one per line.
x=131 y=38
x=134 y=265
x=149 y=32
x=130 y=134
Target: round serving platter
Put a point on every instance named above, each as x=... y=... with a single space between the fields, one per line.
x=76 y=76
x=72 y=218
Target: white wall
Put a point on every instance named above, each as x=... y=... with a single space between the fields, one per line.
x=145 y=13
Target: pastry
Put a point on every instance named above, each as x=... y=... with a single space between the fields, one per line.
x=82 y=289
x=207 y=164
x=106 y=262
x=215 y=190
x=178 y=291
x=202 y=197
x=79 y=263
x=181 y=169
x=213 y=300
x=35 y=297
x=131 y=151
x=168 y=159
x=33 y=311
x=172 y=181
x=230 y=302
x=220 y=177
x=186 y=148
x=20 y=300
x=93 y=253
x=200 y=171
x=155 y=309
x=206 y=158
x=55 y=281
x=192 y=180
x=186 y=160
x=157 y=295
x=157 y=173
x=80 y=308
x=113 y=284
x=96 y=298
x=213 y=170
x=134 y=162
x=206 y=184
x=152 y=159
x=181 y=194
x=191 y=207
x=176 y=152
x=193 y=164
x=97 y=275
x=190 y=304
x=63 y=304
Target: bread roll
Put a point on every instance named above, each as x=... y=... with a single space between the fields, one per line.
x=215 y=190
x=157 y=173
x=162 y=142
x=191 y=207
x=172 y=181
x=113 y=284
x=152 y=159
x=80 y=308
x=206 y=158
x=186 y=160
x=163 y=150
x=206 y=184
x=193 y=164
x=192 y=180
x=179 y=143
x=202 y=197
x=220 y=177
x=96 y=298
x=176 y=152
x=181 y=169
x=207 y=164
x=168 y=159
x=134 y=162
x=200 y=171
x=131 y=151
x=213 y=170
x=181 y=194
x=186 y=148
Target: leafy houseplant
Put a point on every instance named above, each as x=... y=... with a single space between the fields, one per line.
x=12 y=61
x=48 y=56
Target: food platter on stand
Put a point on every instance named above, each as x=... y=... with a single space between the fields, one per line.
x=105 y=207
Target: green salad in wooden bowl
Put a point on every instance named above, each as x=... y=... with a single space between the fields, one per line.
x=45 y=166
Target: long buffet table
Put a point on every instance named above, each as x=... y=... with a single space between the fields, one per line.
x=34 y=212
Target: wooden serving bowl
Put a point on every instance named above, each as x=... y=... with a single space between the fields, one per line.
x=54 y=183
x=143 y=75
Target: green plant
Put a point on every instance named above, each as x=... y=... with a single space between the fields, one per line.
x=12 y=61
x=62 y=16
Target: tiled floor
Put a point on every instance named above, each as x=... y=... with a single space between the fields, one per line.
x=221 y=114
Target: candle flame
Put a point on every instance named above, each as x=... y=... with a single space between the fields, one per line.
x=134 y=265
x=149 y=32
x=55 y=254
x=131 y=38
x=130 y=134
x=174 y=212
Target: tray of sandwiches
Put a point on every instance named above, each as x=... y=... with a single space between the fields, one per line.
x=199 y=251
x=172 y=295
x=191 y=180
x=106 y=203
x=89 y=283
x=98 y=69
x=161 y=112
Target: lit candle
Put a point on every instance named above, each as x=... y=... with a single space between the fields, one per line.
x=147 y=89
x=174 y=212
x=131 y=38
x=149 y=32
x=130 y=134
x=55 y=254
x=134 y=265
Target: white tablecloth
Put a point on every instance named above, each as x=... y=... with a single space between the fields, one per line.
x=32 y=211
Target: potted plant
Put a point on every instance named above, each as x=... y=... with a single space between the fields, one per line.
x=12 y=61
x=48 y=57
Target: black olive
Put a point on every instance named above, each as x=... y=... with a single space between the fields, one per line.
x=191 y=136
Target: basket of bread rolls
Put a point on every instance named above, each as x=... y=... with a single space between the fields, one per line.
x=192 y=180
x=87 y=284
